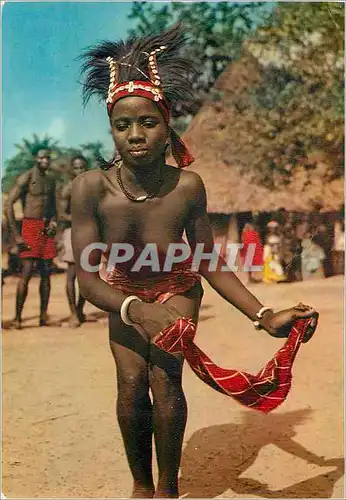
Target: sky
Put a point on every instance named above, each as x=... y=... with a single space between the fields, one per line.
x=41 y=91
x=40 y=88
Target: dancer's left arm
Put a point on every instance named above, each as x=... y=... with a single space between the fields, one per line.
x=226 y=283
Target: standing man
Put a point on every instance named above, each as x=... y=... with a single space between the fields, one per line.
x=36 y=242
x=144 y=203
x=78 y=165
x=250 y=236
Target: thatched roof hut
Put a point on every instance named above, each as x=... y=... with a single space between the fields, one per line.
x=214 y=136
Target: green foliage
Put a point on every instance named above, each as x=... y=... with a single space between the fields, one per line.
x=23 y=160
x=288 y=103
x=293 y=104
x=300 y=92
x=61 y=155
x=92 y=151
x=276 y=88
x=30 y=148
x=216 y=31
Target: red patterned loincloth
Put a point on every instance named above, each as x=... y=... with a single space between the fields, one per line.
x=264 y=391
x=42 y=247
x=152 y=286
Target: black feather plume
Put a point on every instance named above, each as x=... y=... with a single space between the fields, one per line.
x=176 y=71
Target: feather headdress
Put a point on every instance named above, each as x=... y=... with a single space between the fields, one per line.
x=150 y=66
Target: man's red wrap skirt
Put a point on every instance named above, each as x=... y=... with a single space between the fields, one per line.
x=41 y=245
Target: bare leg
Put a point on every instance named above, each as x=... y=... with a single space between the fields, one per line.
x=80 y=307
x=71 y=295
x=70 y=288
x=134 y=409
x=169 y=407
x=45 y=270
x=22 y=290
x=77 y=316
x=169 y=419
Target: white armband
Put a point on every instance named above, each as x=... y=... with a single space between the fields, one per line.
x=124 y=309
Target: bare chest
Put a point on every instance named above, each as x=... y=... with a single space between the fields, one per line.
x=158 y=220
x=38 y=186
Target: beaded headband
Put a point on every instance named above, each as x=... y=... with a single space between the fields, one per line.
x=152 y=86
x=150 y=89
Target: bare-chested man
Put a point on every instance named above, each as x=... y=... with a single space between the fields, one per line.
x=36 y=190
x=78 y=165
x=141 y=200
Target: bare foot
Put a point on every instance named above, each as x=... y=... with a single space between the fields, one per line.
x=73 y=322
x=167 y=493
x=16 y=324
x=143 y=492
x=44 y=320
x=81 y=317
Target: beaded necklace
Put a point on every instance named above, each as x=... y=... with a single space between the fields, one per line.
x=138 y=199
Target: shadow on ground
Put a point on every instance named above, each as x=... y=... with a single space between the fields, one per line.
x=215 y=457
x=8 y=324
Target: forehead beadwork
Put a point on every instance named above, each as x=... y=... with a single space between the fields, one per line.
x=122 y=89
x=134 y=67
x=154 y=85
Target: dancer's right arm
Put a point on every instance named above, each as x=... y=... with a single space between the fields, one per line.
x=86 y=195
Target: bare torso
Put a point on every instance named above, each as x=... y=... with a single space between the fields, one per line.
x=64 y=204
x=161 y=220
x=36 y=194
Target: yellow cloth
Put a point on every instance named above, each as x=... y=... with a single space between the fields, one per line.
x=272 y=270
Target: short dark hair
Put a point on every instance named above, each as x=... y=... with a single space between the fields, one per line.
x=79 y=157
x=37 y=149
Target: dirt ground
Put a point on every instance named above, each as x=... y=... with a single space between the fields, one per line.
x=60 y=435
